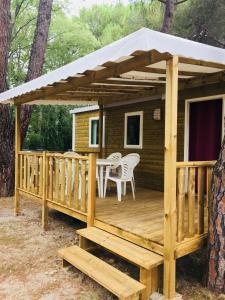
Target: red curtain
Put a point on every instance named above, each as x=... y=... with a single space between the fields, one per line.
x=205 y=130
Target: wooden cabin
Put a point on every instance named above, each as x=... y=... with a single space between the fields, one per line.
x=197 y=140
x=177 y=89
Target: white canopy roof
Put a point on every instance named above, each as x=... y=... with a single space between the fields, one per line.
x=143 y=39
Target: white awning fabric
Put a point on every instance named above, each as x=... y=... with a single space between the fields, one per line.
x=141 y=40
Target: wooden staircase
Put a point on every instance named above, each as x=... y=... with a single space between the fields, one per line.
x=120 y=284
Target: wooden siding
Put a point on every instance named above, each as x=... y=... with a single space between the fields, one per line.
x=82 y=131
x=149 y=172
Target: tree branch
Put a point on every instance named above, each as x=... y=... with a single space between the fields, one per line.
x=162 y=1
x=180 y=2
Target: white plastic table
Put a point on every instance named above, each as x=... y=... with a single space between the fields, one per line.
x=102 y=163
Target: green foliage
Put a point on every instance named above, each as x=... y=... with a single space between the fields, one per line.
x=201 y=20
x=68 y=40
x=108 y=23
x=50 y=128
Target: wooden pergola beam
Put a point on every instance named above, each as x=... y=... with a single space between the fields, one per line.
x=117 y=86
x=201 y=63
x=203 y=80
x=163 y=72
x=112 y=89
x=102 y=73
x=97 y=93
x=135 y=82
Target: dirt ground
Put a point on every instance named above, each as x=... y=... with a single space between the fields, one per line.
x=31 y=270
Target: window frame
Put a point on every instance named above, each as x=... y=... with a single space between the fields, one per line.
x=89 y=132
x=129 y=114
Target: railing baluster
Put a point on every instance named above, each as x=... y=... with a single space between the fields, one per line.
x=46 y=169
x=41 y=177
x=208 y=184
x=69 y=180
x=56 y=179
x=77 y=183
x=28 y=173
x=208 y=191
x=51 y=178
x=191 y=202
x=181 y=203
x=36 y=174
x=32 y=173
x=200 y=207
x=21 y=171
x=62 y=161
x=83 y=186
x=25 y=172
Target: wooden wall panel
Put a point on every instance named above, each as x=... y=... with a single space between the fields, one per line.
x=82 y=131
x=149 y=172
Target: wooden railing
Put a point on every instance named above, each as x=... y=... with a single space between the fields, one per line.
x=31 y=173
x=193 y=193
x=64 y=182
x=67 y=180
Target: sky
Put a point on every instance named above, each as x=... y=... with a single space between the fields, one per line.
x=76 y=5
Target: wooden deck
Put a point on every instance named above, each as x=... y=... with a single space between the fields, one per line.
x=141 y=221
x=142 y=217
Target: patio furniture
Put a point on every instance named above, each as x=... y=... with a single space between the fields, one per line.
x=136 y=157
x=102 y=163
x=115 y=157
x=127 y=164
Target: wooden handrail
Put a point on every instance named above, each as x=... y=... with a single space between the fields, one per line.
x=209 y=163
x=30 y=153
x=58 y=155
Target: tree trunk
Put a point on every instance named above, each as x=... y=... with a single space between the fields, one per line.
x=216 y=241
x=6 y=122
x=5 y=31
x=168 y=16
x=37 y=56
x=36 y=62
x=40 y=40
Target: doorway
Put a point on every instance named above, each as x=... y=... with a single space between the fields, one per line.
x=203 y=130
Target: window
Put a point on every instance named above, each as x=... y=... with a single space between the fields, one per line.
x=93 y=132
x=133 y=131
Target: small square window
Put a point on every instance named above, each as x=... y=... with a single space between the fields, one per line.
x=133 y=131
x=94 y=132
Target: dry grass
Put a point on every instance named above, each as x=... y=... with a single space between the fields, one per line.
x=31 y=270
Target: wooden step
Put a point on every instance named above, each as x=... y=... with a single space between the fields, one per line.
x=118 y=283
x=135 y=254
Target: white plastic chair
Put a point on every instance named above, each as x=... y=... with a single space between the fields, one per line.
x=127 y=164
x=136 y=157
x=115 y=158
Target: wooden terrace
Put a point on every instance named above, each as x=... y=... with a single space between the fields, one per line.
x=69 y=186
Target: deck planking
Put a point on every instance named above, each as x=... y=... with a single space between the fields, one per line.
x=143 y=216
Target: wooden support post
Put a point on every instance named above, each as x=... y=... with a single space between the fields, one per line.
x=17 y=163
x=87 y=244
x=170 y=223
x=91 y=189
x=150 y=279
x=100 y=134
x=44 y=196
